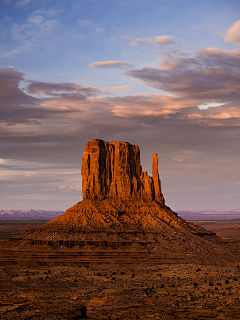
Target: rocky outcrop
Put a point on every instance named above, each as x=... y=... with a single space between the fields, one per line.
x=122 y=217
x=113 y=170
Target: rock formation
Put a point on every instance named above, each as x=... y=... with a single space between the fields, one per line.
x=113 y=170
x=123 y=211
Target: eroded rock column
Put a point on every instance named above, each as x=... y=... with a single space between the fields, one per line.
x=158 y=196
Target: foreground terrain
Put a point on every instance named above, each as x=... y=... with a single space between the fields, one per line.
x=178 y=291
x=161 y=291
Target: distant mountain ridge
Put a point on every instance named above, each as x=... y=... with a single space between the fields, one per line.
x=188 y=214
x=35 y=214
x=210 y=214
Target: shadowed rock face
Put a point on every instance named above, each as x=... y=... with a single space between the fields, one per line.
x=113 y=170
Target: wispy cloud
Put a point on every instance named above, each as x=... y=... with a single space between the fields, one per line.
x=110 y=64
x=24 y=37
x=23 y=2
x=160 y=41
x=119 y=88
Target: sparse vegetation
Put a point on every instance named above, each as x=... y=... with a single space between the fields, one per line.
x=55 y=291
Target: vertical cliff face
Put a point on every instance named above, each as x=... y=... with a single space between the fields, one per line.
x=113 y=170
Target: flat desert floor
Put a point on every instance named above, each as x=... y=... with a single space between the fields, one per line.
x=178 y=291
x=163 y=291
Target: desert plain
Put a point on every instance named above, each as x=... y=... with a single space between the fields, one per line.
x=118 y=291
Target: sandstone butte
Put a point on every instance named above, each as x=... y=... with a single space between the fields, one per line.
x=122 y=218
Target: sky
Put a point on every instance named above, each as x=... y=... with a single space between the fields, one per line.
x=161 y=74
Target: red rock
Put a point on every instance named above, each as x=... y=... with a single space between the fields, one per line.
x=113 y=170
x=122 y=211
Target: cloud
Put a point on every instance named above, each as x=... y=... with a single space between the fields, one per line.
x=181 y=158
x=37 y=100
x=205 y=105
x=161 y=40
x=233 y=33
x=35 y=19
x=119 y=88
x=158 y=40
x=36 y=31
x=205 y=76
x=218 y=53
x=23 y=2
x=110 y=64
x=61 y=90
x=43 y=130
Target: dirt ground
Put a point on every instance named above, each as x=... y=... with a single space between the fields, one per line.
x=160 y=291
x=178 y=291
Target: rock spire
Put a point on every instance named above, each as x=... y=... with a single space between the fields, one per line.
x=113 y=170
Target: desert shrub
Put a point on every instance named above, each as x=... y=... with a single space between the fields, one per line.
x=211 y=283
x=219 y=284
x=114 y=273
x=198 y=269
x=234 y=279
x=227 y=281
x=122 y=272
x=172 y=285
x=195 y=284
x=162 y=285
x=113 y=278
x=216 y=288
x=99 y=274
x=133 y=275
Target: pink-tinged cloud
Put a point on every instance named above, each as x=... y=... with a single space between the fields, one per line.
x=110 y=64
x=217 y=52
x=181 y=158
x=161 y=40
x=233 y=34
x=158 y=40
x=119 y=88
